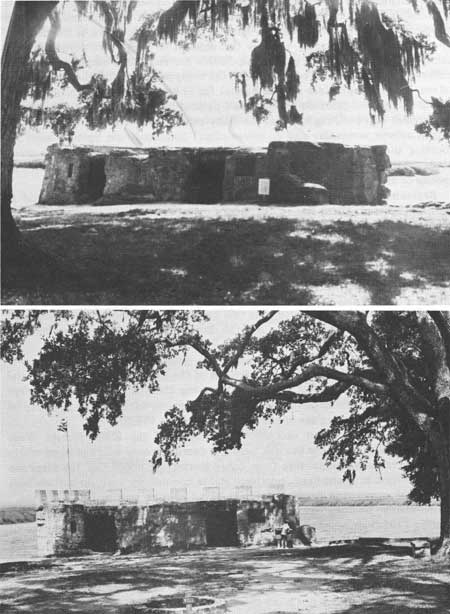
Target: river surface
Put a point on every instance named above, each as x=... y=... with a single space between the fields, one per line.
x=349 y=522
x=18 y=541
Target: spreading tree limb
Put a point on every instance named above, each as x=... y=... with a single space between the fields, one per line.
x=52 y=55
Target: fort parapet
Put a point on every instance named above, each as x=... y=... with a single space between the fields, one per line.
x=65 y=528
x=299 y=172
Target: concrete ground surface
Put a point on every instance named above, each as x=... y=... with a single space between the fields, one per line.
x=343 y=579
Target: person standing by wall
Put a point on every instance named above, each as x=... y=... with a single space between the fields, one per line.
x=285 y=531
x=278 y=537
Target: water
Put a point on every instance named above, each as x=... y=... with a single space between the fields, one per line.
x=349 y=522
x=18 y=541
x=420 y=189
x=27 y=183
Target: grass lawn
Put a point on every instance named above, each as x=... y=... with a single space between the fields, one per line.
x=234 y=254
x=349 y=579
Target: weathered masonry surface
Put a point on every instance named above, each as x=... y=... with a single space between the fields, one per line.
x=216 y=175
x=69 y=528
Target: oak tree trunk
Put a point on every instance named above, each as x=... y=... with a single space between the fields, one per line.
x=440 y=440
x=444 y=480
x=27 y=19
x=444 y=548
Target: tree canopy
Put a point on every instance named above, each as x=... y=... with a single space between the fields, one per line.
x=135 y=95
x=346 y=43
x=438 y=122
x=394 y=367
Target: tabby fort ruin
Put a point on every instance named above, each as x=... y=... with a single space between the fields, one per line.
x=293 y=172
x=69 y=522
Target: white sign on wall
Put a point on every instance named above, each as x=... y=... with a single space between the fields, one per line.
x=264 y=186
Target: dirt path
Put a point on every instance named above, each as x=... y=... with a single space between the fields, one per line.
x=237 y=254
x=325 y=580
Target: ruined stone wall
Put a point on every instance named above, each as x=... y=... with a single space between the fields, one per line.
x=151 y=528
x=257 y=520
x=60 y=529
x=73 y=175
x=157 y=175
x=352 y=175
x=69 y=176
x=166 y=172
x=63 y=172
x=383 y=164
x=204 y=523
x=69 y=528
x=135 y=175
x=203 y=175
x=122 y=173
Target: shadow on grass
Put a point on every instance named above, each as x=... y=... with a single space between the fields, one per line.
x=137 y=260
x=384 y=587
x=378 y=578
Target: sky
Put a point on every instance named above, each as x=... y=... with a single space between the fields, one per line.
x=279 y=456
x=206 y=95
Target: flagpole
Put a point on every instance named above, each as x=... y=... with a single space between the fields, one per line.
x=68 y=456
x=64 y=427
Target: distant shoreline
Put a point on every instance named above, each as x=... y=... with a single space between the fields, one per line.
x=29 y=163
x=358 y=502
x=17 y=514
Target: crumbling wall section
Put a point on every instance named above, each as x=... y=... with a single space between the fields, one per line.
x=258 y=519
x=352 y=175
x=60 y=529
x=71 y=176
x=168 y=525
x=65 y=529
x=165 y=175
x=147 y=176
x=165 y=172
x=64 y=170
x=383 y=164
